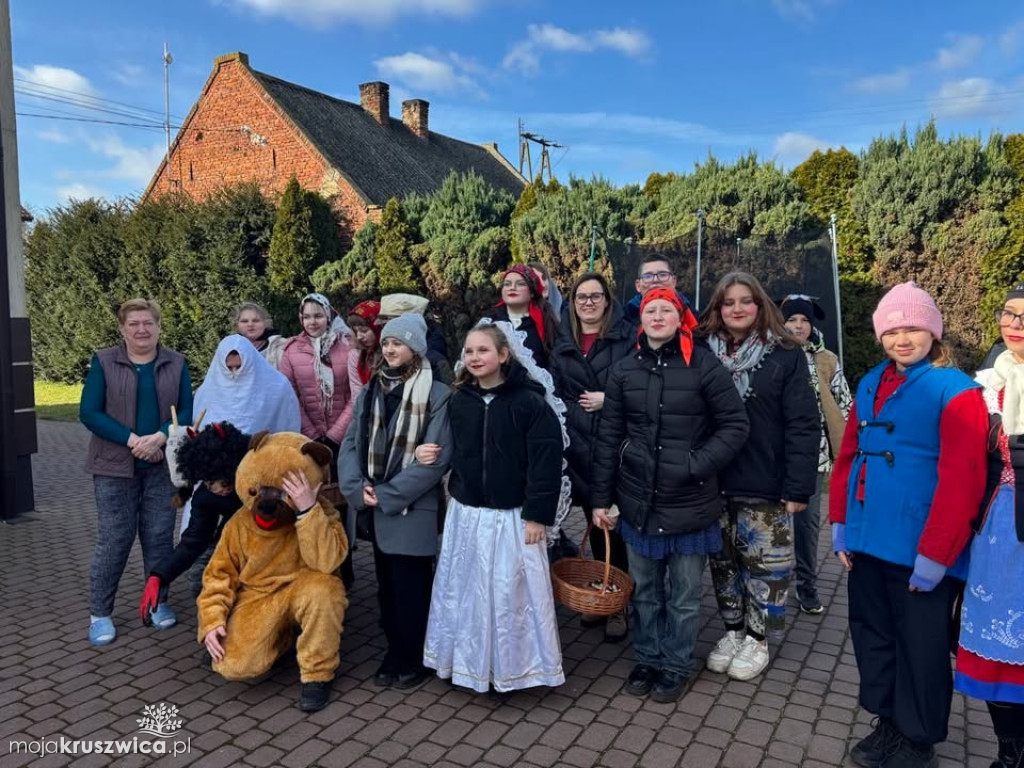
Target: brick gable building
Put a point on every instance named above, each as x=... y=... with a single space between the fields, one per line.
x=249 y=126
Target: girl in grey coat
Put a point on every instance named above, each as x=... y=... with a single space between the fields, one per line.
x=396 y=498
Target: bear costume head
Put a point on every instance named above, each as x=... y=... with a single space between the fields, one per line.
x=270 y=458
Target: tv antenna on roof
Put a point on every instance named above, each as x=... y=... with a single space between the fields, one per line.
x=525 y=139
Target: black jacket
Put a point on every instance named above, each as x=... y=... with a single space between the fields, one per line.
x=506 y=453
x=576 y=373
x=533 y=341
x=210 y=512
x=780 y=460
x=667 y=432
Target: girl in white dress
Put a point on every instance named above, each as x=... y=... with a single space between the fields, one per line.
x=492 y=612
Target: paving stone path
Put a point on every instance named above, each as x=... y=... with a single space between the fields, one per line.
x=53 y=684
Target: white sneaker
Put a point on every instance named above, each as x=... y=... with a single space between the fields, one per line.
x=750 y=661
x=722 y=655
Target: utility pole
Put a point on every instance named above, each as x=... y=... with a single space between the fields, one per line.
x=700 y=238
x=833 y=233
x=525 y=139
x=168 y=60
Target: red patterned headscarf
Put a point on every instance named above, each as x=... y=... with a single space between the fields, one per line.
x=687 y=321
x=368 y=311
x=536 y=293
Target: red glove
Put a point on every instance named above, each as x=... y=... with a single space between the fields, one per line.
x=150 y=595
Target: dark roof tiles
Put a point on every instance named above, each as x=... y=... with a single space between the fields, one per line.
x=383 y=162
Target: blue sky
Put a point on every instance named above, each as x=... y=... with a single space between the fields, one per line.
x=628 y=88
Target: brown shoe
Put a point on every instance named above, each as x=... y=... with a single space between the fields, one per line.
x=591 y=620
x=616 y=628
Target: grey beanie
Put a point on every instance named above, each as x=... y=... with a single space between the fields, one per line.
x=411 y=330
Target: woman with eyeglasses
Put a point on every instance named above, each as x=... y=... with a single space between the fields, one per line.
x=523 y=306
x=770 y=480
x=990 y=660
x=598 y=338
x=834 y=400
x=906 y=487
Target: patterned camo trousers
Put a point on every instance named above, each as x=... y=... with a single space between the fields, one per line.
x=752 y=573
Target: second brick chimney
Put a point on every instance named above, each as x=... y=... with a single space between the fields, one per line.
x=375 y=99
x=415 y=114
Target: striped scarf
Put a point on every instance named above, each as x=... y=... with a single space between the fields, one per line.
x=384 y=460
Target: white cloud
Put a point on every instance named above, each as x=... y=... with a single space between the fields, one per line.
x=962 y=53
x=136 y=164
x=1010 y=40
x=792 y=148
x=54 y=136
x=966 y=98
x=799 y=10
x=889 y=82
x=45 y=76
x=130 y=75
x=78 y=191
x=525 y=56
x=324 y=13
x=430 y=73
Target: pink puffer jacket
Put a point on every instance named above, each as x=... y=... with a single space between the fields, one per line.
x=297 y=365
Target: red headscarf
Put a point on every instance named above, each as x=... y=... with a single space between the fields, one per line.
x=536 y=293
x=687 y=321
x=369 y=311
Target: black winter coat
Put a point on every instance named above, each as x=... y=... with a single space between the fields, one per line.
x=210 y=511
x=506 y=453
x=576 y=373
x=667 y=432
x=780 y=460
x=533 y=341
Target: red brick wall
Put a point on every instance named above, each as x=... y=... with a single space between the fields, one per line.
x=237 y=134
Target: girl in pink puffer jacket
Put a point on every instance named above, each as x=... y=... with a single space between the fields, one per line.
x=316 y=363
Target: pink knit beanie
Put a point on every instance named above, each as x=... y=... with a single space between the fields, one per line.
x=907 y=305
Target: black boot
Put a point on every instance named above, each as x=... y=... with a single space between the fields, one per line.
x=910 y=754
x=874 y=748
x=1011 y=754
x=314 y=696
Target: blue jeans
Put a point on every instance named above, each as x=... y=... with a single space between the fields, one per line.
x=806 y=527
x=665 y=623
x=126 y=507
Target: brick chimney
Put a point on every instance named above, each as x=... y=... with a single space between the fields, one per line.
x=375 y=99
x=415 y=114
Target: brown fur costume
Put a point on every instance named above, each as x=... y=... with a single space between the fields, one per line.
x=262 y=584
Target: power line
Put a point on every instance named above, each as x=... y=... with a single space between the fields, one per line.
x=89 y=96
x=90 y=120
x=87 y=107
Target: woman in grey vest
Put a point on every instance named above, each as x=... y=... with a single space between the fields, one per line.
x=126 y=404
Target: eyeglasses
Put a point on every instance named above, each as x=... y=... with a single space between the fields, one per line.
x=589 y=298
x=651 y=277
x=1006 y=318
x=517 y=284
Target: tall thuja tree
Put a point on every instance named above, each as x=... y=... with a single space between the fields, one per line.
x=74 y=257
x=305 y=235
x=827 y=180
x=463 y=241
x=748 y=197
x=933 y=210
x=558 y=230
x=1003 y=267
x=220 y=263
x=355 y=273
x=395 y=270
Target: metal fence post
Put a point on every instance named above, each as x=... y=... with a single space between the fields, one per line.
x=833 y=234
x=700 y=239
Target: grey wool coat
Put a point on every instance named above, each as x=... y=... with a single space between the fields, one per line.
x=406 y=520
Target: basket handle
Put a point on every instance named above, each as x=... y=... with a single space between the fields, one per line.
x=607 y=553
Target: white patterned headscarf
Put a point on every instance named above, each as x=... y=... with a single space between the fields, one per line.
x=322 y=348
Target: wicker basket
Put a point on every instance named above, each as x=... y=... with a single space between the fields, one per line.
x=571 y=578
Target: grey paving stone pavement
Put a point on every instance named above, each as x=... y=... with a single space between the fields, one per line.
x=802 y=712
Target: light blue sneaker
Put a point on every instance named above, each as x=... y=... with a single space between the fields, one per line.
x=163 y=617
x=101 y=631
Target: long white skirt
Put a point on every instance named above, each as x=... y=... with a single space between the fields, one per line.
x=492 y=612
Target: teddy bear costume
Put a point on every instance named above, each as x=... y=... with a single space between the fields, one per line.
x=263 y=583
